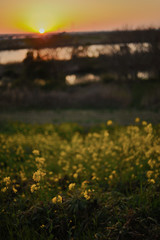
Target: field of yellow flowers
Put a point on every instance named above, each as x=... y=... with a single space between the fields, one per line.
x=71 y=182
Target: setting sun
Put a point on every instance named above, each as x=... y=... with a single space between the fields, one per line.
x=41 y=30
x=30 y=16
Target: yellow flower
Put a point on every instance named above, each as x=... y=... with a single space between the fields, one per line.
x=71 y=186
x=38 y=175
x=4 y=189
x=111 y=177
x=75 y=175
x=151 y=181
x=149 y=174
x=84 y=183
x=42 y=226
x=14 y=189
x=40 y=160
x=54 y=200
x=34 y=188
x=35 y=152
x=106 y=134
x=86 y=195
x=137 y=119
x=144 y=123
x=22 y=175
x=57 y=199
x=109 y=122
x=94 y=178
x=7 y=180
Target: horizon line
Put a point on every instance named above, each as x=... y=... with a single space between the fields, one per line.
x=85 y=31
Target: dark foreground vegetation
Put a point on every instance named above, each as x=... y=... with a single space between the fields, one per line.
x=143 y=95
x=69 y=182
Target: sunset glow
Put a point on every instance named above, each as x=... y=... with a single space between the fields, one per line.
x=75 y=15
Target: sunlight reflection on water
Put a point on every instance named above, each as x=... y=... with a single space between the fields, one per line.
x=66 y=53
x=75 y=79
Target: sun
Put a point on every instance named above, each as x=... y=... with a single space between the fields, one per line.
x=41 y=30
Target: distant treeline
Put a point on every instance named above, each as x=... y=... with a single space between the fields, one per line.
x=77 y=39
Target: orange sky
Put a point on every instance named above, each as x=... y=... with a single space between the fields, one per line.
x=17 y=16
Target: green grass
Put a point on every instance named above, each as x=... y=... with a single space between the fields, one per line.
x=83 y=117
x=71 y=182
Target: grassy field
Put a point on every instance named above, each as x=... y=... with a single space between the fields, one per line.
x=80 y=116
x=66 y=181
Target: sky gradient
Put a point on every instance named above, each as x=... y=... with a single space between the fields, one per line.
x=18 y=16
